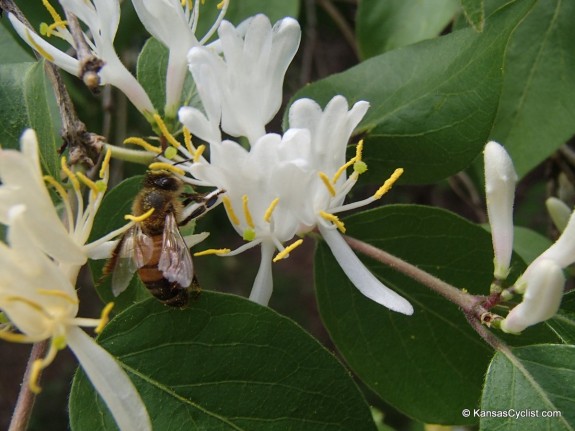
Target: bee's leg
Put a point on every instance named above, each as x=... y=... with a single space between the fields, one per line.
x=197 y=204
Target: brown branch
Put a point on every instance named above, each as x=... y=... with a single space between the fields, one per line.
x=341 y=23
x=26 y=398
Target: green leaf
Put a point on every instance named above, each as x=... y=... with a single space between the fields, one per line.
x=563 y=323
x=386 y=25
x=10 y=50
x=531 y=381
x=430 y=365
x=28 y=101
x=433 y=103
x=475 y=13
x=537 y=106
x=529 y=244
x=223 y=363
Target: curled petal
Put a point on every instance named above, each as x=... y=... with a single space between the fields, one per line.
x=360 y=276
x=500 y=180
x=111 y=382
x=264 y=284
x=541 y=299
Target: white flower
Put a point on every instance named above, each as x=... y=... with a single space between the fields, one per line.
x=247 y=64
x=544 y=290
x=559 y=212
x=102 y=18
x=175 y=26
x=290 y=184
x=38 y=270
x=500 y=180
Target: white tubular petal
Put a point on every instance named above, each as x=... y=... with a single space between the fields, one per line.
x=541 y=300
x=559 y=212
x=500 y=179
x=264 y=284
x=111 y=382
x=53 y=55
x=563 y=251
x=360 y=276
x=199 y=125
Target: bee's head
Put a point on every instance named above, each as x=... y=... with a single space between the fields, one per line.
x=162 y=180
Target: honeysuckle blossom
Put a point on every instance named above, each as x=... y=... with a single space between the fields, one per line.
x=289 y=185
x=39 y=266
x=175 y=27
x=239 y=78
x=500 y=180
x=102 y=18
x=544 y=290
x=559 y=212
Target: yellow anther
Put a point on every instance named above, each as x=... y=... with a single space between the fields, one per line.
x=199 y=153
x=59 y=294
x=172 y=141
x=140 y=142
x=51 y=11
x=57 y=186
x=104 y=317
x=218 y=251
x=105 y=163
x=230 y=210
x=38 y=48
x=88 y=182
x=334 y=219
x=341 y=170
x=188 y=140
x=71 y=175
x=270 y=210
x=141 y=218
x=167 y=167
x=388 y=183
x=220 y=4
x=26 y=301
x=327 y=183
x=247 y=214
x=286 y=251
x=359 y=151
x=35 y=370
x=14 y=338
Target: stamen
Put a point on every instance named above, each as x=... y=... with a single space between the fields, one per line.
x=359 y=151
x=270 y=210
x=57 y=186
x=88 y=182
x=138 y=219
x=230 y=210
x=218 y=251
x=199 y=153
x=104 y=317
x=388 y=183
x=38 y=48
x=105 y=163
x=341 y=170
x=165 y=131
x=39 y=364
x=220 y=5
x=247 y=214
x=167 y=167
x=59 y=294
x=327 y=183
x=223 y=7
x=188 y=140
x=71 y=175
x=140 y=142
x=286 y=251
x=15 y=338
x=55 y=16
x=334 y=219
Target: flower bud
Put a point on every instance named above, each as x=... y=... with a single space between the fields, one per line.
x=500 y=180
x=544 y=289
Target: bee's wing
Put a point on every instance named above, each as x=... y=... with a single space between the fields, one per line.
x=175 y=260
x=133 y=251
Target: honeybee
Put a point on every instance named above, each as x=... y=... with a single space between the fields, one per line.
x=155 y=247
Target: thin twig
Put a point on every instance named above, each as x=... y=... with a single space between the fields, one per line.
x=341 y=23
x=310 y=42
x=26 y=397
x=468 y=303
